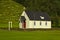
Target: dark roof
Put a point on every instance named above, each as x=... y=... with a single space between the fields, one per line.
x=35 y=15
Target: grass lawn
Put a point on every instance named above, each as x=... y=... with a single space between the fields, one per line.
x=29 y=35
x=6 y=25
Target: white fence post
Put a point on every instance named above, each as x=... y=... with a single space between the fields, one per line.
x=9 y=25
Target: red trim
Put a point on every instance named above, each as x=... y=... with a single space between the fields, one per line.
x=24 y=24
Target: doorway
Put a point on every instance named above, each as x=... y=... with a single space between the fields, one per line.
x=24 y=24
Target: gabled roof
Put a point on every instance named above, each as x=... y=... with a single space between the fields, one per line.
x=37 y=15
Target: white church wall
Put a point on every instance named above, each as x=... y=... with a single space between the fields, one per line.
x=38 y=25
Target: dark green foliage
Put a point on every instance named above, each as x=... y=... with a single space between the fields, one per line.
x=49 y=6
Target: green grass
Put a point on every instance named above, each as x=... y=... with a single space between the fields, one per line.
x=30 y=35
x=5 y=25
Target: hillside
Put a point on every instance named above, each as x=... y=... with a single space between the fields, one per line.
x=9 y=11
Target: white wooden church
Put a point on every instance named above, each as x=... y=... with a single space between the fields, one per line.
x=34 y=20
